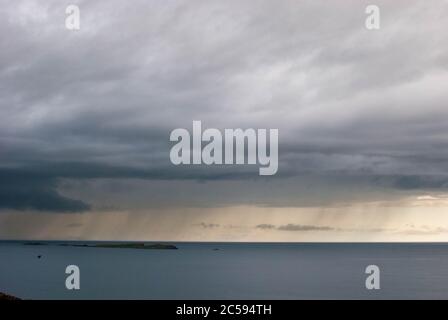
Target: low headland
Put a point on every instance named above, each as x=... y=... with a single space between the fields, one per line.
x=7 y=297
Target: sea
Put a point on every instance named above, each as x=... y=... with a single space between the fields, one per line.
x=263 y=271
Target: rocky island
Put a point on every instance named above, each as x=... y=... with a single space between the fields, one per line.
x=139 y=245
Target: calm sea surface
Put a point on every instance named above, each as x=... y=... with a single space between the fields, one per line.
x=235 y=271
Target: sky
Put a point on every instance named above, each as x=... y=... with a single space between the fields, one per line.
x=86 y=116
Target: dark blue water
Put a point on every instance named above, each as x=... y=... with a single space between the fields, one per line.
x=235 y=271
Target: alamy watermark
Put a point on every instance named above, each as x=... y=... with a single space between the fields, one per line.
x=212 y=147
x=372 y=21
x=73 y=281
x=73 y=18
x=373 y=280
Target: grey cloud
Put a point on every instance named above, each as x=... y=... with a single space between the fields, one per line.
x=299 y=227
x=74 y=225
x=296 y=227
x=208 y=225
x=423 y=230
x=358 y=112
x=265 y=226
x=306 y=228
x=408 y=229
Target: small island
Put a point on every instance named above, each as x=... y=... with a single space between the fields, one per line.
x=35 y=244
x=139 y=245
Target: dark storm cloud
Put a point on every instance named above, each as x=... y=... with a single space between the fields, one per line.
x=32 y=192
x=421 y=182
x=357 y=111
